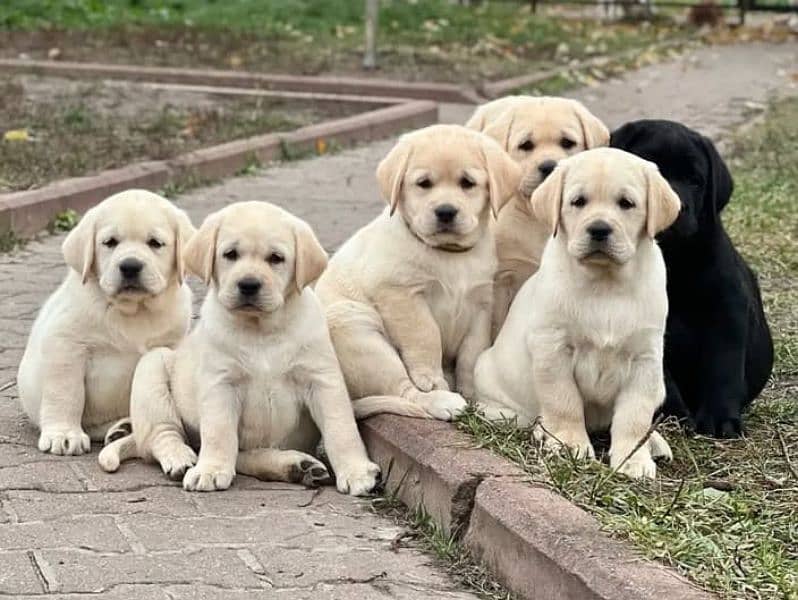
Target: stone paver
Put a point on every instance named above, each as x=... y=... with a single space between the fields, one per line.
x=69 y=530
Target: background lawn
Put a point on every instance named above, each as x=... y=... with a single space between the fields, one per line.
x=419 y=39
x=724 y=511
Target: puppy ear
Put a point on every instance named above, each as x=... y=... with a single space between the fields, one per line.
x=477 y=120
x=199 y=253
x=184 y=231
x=501 y=128
x=547 y=198
x=594 y=132
x=663 y=204
x=504 y=175
x=720 y=184
x=391 y=173
x=78 y=247
x=311 y=259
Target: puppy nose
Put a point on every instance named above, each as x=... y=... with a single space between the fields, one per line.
x=249 y=286
x=446 y=213
x=130 y=267
x=599 y=231
x=546 y=167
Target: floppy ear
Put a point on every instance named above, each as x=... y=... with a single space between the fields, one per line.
x=199 y=253
x=311 y=259
x=78 y=247
x=720 y=184
x=594 y=132
x=501 y=128
x=477 y=120
x=391 y=173
x=184 y=231
x=663 y=204
x=504 y=175
x=547 y=198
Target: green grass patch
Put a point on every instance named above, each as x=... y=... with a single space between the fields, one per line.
x=724 y=511
x=417 y=38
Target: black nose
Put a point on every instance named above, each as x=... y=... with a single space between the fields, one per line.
x=446 y=213
x=546 y=167
x=131 y=267
x=599 y=231
x=249 y=286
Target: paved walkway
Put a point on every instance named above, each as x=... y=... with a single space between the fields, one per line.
x=69 y=530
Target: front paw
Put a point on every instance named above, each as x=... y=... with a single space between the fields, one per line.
x=426 y=379
x=207 y=478
x=71 y=441
x=638 y=466
x=357 y=478
x=718 y=424
x=573 y=440
x=442 y=405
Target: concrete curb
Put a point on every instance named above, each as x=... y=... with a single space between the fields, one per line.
x=535 y=542
x=27 y=212
x=441 y=92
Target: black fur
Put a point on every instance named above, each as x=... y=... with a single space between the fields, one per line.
x=718 y=349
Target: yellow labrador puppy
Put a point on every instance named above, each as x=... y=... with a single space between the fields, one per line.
x=408 y=297
x=582 y=345
x=537 y=132
x=123 y=295
x=257 y=379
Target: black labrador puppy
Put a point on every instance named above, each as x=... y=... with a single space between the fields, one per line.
x=718 y=349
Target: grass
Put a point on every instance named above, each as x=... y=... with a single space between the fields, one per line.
x=723 y=512
x=81 y=132
x=418 y=38
x=424 y=533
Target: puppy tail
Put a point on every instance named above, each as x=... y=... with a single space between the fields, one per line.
x=395 y=405
x=120 y=445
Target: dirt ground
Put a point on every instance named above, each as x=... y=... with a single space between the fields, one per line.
x=76 y=128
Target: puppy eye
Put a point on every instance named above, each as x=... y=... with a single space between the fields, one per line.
x=526 y=146
x=231 y=254
x=626 y=204
x=579 y=201
x=424 y=183
x=275 y=259
x=567 y=143
x=155 y=244
x=467 y=183
x=111 y=242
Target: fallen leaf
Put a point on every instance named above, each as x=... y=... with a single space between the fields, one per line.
x=321 y=146
x=17 y=135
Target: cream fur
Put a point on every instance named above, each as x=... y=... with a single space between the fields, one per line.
x=581 y=349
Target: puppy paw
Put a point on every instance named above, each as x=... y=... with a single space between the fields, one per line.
x=442 y=405
x=64 y=441
x=177 y=462
x=575 y=442
x=718 y=425
x=659 y=447
x=427 y=380
x=357 y=478
x=207 y=478
x=308 y=471
x=638 y=467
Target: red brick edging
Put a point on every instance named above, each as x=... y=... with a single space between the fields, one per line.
x=28 y=212
x=538 y=544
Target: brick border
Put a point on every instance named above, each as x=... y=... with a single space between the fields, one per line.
x=441 y=92
x=537 y=543
x=26 y=213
